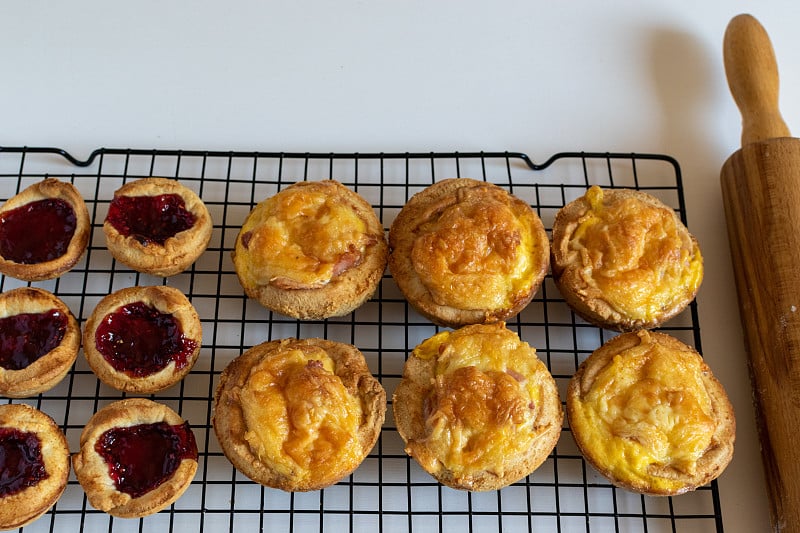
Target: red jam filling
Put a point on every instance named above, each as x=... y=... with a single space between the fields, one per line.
x=139 y=340
x=37 y=232
x=26 y=337
x=149 y=218
x=140 y=458
x=21 y=463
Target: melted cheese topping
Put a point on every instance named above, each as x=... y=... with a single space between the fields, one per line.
x=647 y=415
x=484 y=400
x=477 y=252
x=638 y=255
x=302 y=237
x=300 y=418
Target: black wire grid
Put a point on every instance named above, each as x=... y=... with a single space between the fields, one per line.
x=388 y=492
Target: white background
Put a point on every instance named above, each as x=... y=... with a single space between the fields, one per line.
x=349 y=75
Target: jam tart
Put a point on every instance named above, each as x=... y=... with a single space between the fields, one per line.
x=313 y=250
x=44 y=231
x=157 y=226
x=39 y=341
x=298 y=415
x=142 y=339
x=136 y=457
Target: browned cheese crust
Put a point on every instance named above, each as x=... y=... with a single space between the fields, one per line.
x=312 y=251
x=298 y=415
x=464 y=251
x=92 y=470
x=648 y=414
x=177 y=253
x=166 y=300
x=24 y=507
x=47 y=371
x=46 y=189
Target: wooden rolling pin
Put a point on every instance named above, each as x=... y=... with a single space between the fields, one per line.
x=761 y=194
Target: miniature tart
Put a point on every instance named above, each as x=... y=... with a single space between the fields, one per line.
x=157 y=226
x=136 y=457
x=142 y=339
x=44 y=231
x=34 y=460
x=465 y=252
x=298 y=415
x=648 y=414
x=623 y=260
x=39 y=341
x=314 y=250
x=476 y=407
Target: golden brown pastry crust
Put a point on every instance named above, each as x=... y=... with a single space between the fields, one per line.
x=166 y=300
x=47 y=371
x=309 y=395
x=649 y=415
x=92 y=470
x=24 y=507
x=476 y=407
x=45 y=189
x=623 y=260
x=177 y=253
x=301 y=273
x=464 y=251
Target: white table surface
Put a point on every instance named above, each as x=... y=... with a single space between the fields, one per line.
x=352 y=75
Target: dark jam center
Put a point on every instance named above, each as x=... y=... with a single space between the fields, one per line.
x=149 y=218
x=37 y=232
x=139 y=340
x=26 y=337
x=140 y=458
x=21 y=463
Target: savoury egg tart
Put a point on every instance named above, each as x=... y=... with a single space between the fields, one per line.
x=313 y=250
x=157 y=226
x=464 y=251
x=649 y=415
x=136 y=457
x=623 y=260
x=476 y=407
x=44 y=231
x=298 y=415
x=39 y=341
x=142 y=339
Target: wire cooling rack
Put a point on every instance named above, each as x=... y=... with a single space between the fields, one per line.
x=388 y=492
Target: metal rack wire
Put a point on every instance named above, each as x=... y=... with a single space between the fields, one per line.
x=389 y=492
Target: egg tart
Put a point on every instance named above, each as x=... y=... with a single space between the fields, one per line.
x=314 y=250
x=298 y=415
x=466 y=252
x=623 y=260
x=476 y=407
x=157 y=226
x=136 y=457
x=44 y=231
x=34 y=461
x=39 y=341
x=649 y=415
x=142 y=339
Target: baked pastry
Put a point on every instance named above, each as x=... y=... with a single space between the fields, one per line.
x=314 y=250
x=298 y=415
x=39 y=341
x=142 y=339
x=623 y=260
x=648 y=414
x=476 y=407
x=157 y=226
x=44 y=231
x=136 y=457
x=465 y=252
x=34 y=460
